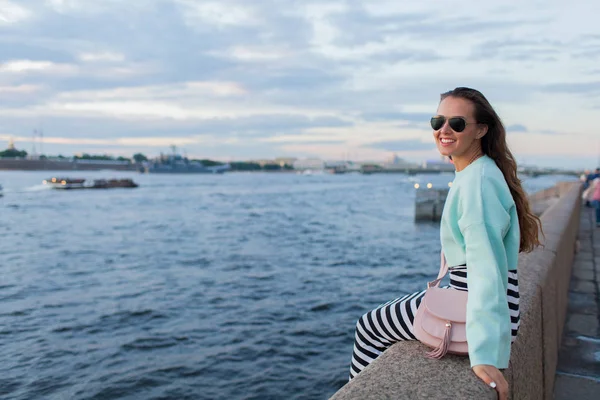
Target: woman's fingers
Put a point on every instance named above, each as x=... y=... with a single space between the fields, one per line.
x=493 y=378
x=501 y=383
x=482 y=374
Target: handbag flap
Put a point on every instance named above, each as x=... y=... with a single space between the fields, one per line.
x=447 y=304
x=437 y=328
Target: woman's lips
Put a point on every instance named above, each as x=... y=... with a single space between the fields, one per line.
x=447 y=142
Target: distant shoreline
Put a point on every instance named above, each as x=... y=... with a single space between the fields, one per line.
x=8 y=164
x=77 y=165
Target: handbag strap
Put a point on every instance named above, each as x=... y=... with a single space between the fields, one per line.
x=442 y=273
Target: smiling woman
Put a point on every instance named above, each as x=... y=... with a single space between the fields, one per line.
x=481 y=133
x=486 y=222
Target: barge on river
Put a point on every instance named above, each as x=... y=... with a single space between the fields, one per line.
x=69 y=184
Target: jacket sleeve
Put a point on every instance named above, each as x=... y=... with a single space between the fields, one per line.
x=484 y=224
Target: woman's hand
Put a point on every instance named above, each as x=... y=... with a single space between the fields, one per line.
x=493 y=378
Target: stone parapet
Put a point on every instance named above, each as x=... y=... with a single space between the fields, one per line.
x=403 y=372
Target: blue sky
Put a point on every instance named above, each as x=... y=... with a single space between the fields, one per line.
x=241 y=79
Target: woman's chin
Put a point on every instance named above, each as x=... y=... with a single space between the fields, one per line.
x=444 y=151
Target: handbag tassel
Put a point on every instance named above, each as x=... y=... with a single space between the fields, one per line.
x=442 y=349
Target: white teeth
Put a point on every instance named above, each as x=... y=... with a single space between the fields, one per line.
x=447 y=140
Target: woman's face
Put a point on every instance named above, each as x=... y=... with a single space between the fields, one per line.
x=450 y=142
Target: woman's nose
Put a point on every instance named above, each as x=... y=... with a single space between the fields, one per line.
x=445 y=129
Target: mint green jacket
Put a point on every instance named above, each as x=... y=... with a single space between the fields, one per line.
x=480 y=228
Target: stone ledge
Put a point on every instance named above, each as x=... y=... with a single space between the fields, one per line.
x=402 y=372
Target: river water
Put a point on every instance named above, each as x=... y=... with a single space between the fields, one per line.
x=240 y=286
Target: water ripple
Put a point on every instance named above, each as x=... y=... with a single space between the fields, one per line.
x=200 y=287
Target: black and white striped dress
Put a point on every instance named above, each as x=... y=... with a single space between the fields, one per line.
x=393 y=321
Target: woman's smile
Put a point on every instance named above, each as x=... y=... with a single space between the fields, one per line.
x=446 y=142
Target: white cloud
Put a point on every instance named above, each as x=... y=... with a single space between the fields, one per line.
x=554 y=145
x=89 y=7
x=41 y=67
x=336 y=151
x=102 y=57
x=52 y=69
x=324 y=31
x=66 y=6
x=20 y=89
x=184 y=92
x=357 y=139
x=451 y=7
x=186 y=62
x=256 y=54
x=124 y=141
x=11 y=13
x=217 y=88
x=152 y=110
x=219 y=13
x=120 y=109
x=320 y=9
x=195 y=100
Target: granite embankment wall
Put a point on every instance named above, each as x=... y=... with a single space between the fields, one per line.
x=403 y=372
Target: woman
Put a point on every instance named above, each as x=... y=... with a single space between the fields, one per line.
x=596 y=199
x=588 y=192
x=486 y=222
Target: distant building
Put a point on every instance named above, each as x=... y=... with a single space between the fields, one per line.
x=394 y=161
x=12 y=152
x=309 y=163
x=264 y=162
x=283 y=161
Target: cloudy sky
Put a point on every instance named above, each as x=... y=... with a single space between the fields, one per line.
x=246 y=79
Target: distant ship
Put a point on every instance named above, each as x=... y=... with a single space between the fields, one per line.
x=176 y=164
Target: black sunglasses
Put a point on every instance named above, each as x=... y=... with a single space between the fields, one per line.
x=458 y=124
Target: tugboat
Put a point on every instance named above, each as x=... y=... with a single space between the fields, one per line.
x=69 y=184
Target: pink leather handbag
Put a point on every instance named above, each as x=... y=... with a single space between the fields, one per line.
x=441 y=318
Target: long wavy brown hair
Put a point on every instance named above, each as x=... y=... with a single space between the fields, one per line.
x=494 y=146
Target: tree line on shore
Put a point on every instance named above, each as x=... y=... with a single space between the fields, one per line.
x=140 y=158
x=234 y=165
